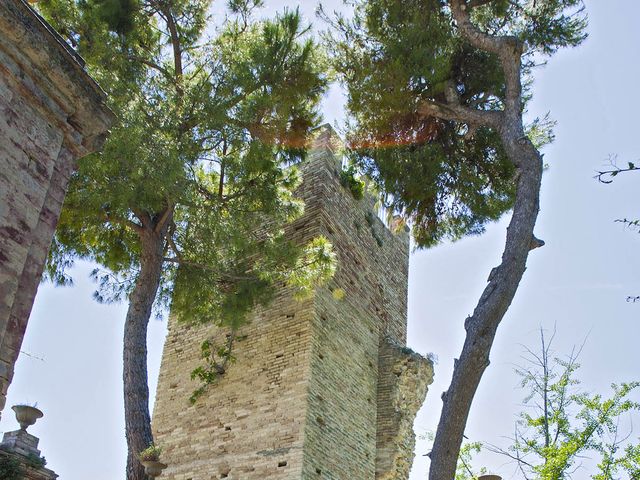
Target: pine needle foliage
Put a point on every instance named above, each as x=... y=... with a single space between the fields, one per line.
x=450 y=178
x=188 y=200
x=218 y=145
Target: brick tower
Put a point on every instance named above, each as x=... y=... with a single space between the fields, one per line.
x=322 y=388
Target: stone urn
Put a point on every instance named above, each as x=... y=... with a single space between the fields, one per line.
x=489 y=477
x=26 y=415
x=153 y=468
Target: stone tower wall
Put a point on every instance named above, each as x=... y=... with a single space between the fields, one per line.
x=342 y=425
x=302 y=400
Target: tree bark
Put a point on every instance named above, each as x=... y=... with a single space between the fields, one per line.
x=482 y=325
x=136 y=389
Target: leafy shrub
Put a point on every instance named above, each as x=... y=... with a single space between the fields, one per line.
x=349 y=181
x=151 y=453
x=10 y=468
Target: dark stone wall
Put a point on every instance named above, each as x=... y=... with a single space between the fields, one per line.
x=51 y=113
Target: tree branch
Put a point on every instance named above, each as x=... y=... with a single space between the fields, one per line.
x=151 y=64
x=606 y=176
x=482 y=325
x=460 y=113
x=124 y=222
x=166 y=216
x=508 y=48
x=477 y=3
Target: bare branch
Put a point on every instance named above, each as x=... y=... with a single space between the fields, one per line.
x=153 y=65
x=460 y=113
x=500 y=451
x=606 y=176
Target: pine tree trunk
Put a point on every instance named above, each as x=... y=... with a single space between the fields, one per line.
x=136 y=389
x=482 y=325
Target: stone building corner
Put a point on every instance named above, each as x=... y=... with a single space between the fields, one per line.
x=51 y=114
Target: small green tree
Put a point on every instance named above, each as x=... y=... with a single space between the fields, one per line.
x=188 y=199
x=437 y=92
x=563 y=424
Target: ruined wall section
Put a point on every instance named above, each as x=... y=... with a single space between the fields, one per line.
x=51 y=113
x=403 y=383
x=304 y=399
x=371 y=282
x=250 y=425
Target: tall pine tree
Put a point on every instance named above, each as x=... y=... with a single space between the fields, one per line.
x=188 y=199
x=437 y=91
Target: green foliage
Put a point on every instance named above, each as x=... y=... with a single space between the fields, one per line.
x=447 y=177
x=463 y=469
x=151 y=453
x=300 y=270
x=188 y=199
x=10 y=468
x=574 y=423
x=216 y=358
x=563 y=424
x=36 y=461
x=118 y=15
x=349 y=181
x=210 y=141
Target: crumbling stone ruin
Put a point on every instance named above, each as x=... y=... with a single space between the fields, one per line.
x=322 y=388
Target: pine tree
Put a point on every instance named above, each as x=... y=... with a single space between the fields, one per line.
x=188 y=199
x=437 y=91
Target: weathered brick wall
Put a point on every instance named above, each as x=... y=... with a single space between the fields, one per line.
x=402 y=386
x=301 y=401
x=51 y=113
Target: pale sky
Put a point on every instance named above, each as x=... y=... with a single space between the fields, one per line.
x=71 y=363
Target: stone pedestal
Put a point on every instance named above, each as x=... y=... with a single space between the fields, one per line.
x=19 y=450
x=21 y=442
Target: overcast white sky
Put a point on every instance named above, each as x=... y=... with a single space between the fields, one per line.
x=579 y=281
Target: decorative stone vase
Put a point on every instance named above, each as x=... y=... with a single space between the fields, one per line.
x=489 y=477
x=153 y=468
x=26 y=415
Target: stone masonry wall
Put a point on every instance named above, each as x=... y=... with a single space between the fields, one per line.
x=402 y=386
x=250 y=425
x=342 y=425
x=51 y=113
x=301 y=401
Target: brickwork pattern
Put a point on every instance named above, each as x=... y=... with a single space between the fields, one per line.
x=51 y=113
x=301 y=401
